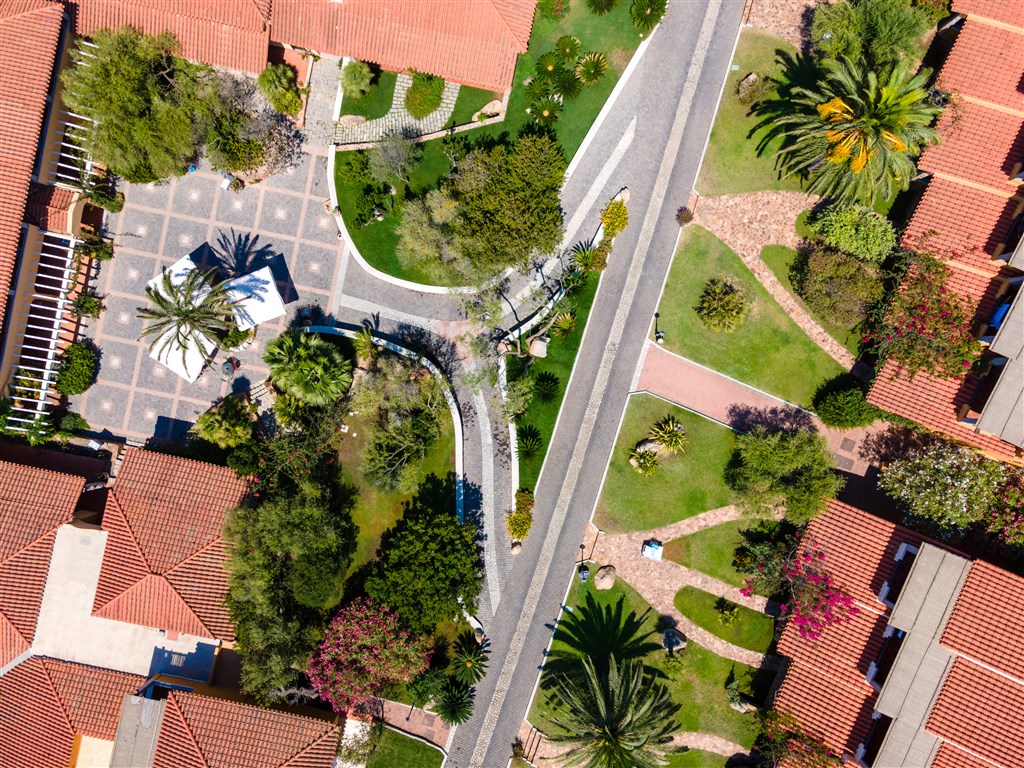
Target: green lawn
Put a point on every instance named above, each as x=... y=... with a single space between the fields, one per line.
x=695 y=758
x=750 y=630
x=397 y=749
x=559 y=361
x=376 y=102
x=711 y=551
x=470 y=101
x=769 y=351
x=779 y=259
x=732 y=164
x=683 y=486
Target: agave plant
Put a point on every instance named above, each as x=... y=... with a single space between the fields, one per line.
x=470 y=663
x=545 y=386
x=670 y=434
x=722 y=305
x=549 y=65
x=646 y=14
x=568 y=47
x=644 y=461
x=591 y=67
x=528 y=442
x=601 y=7
x=564 y=323
x=567 y=85
x=538 y=88
x=545 y=112
x=585 y=256
x=455 y=704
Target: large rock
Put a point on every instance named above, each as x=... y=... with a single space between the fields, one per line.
x=491 y=108
x=605 y=577
x=747 y=86
x=349 y=121
x=517 y=547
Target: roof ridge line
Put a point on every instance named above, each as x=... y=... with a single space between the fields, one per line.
x=6 y=618
x=173 y=698
x=511 y=31
x=33 y=542
x=45 y=5
x=315 y=742
x=186 y=603
x=56 y=695
x=135 y=542
x=216 y=539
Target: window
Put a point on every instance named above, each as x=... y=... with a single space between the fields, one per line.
x=890 y=590
x=878 y=671
x=868 y=752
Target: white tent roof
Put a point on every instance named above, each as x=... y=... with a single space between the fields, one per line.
x=170 y=355
x=255 y=298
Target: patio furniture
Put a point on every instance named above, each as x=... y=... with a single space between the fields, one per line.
x=652 y=550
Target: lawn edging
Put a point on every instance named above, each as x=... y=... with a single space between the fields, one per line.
x=449 y=396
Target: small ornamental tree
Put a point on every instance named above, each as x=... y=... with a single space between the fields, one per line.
x=278 y=82
x=722 y=305
x=614 y=218
x=928 y=327
x=356 y=79
x=77 y=369
x=1006 y=519
x=784 y=742
x=227 y=425
x=857 y=230
x=365 y=647
x=943 y=487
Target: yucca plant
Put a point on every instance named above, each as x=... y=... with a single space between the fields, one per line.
x=538 y=88
x=601 y=7
x=647 y=13
x=455 y=704
x=549 y=65
x=564 y=323
x=670 y=434
x=722 y=305
x=363 y=344
x=470 y=663
x=585 y=257
x=644 y=461
x=545 y=386
x=591 y=67
x=567 y=85
x=528 y=441
x=546 y=111
x=568 y=47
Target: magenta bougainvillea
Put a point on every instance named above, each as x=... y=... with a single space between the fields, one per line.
x=815 y=600
x=1006 y=519
x=365 y=647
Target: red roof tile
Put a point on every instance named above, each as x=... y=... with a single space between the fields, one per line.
x=202 y=732
x=982 y=626
x=980 y=145
x=950 y=756
x=1004 y=11
x=33 y=504
x=223 y=33
x=968 y=69
x=474 y=42
x=29 y=33
x=48 y=207
x=970 y=691
x=164 y=561
x=44 y=703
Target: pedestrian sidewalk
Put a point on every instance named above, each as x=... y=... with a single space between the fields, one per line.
x=415 y=721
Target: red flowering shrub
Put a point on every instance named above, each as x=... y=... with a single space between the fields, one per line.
x=1006 y=519
x=364 y=648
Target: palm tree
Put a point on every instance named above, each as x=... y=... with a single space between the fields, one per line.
x=621 y=719
x=187 y=314
x=307 y=367
x=470 y=663
x=856 y=132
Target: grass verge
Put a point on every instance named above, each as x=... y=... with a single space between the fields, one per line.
x=769 y=351
x=750 y=629
x=684 y=485
x=376 y=102
x=711 y=551
x=396 y=748
x=696 y=758
x=470 y=101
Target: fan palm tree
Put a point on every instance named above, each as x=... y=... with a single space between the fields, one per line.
x=187 y=314
x=856 y=132
x=307 y=367
x=621 y=719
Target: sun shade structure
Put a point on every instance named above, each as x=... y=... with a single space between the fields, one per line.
x=255 y=299
x=187 y=363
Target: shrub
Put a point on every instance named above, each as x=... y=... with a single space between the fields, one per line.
x=71 y=422
x=95 y=247
x=424 y=95
x=568 y=47
x=1006 y=518
x=644 y=461
x=586 y=259
x=88 y=304
x=553 y=10
x=545 y=386
x=882 y=32
x=601 y=7
x=844 y=408
x=728 y=611
x=935 y=10
x=614 y=218
x=227 y=425
x=857 y=230
x=591 y=67
x=111 y=203
x=670 y=434
x=289 y=409
x=356 y=79
x=838 y=287
x=278 y=84
x=518 y=396
x=77 y=369
x=684 y=216
x=426 y=686
x=524 y=500
x=519 y=524
x=235 y=338
x=647 y=13
x=455 y=704
x=722 y=305
x=308 y=367
x=528 y=441
x=754 y=90
x=564 y=323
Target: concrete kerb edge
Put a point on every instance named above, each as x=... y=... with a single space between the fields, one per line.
x=449 y=397
x=443 y=752
x=512 y=433
x=685 y=408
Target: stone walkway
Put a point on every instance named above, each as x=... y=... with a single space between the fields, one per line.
x=708 y=742
x=323 y=91
x=747 y=223
x=398 y=120
x=418 y=722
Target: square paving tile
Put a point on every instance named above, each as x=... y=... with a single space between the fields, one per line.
x=294 y=180
x=139 y=230
x=280 y=214
x=843 y=462
x=121 y=320
x=238 y=209
x=128 y=272
x=313 y=267
x=320 y=180
x=320 y=226
x=156 y=376
x=148 y=412
x=195 y=195
x=104 y=406
x=117 y=361
x=848 y=444
x=149 y=195
x=183 y=237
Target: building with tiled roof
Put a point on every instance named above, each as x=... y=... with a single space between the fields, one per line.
x=929 y=672
x=34 y=503
x=972 y=216
x=164 y=561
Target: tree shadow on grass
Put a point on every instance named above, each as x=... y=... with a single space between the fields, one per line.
x=743 y=418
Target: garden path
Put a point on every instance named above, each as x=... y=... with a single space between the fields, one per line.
x=747 y=223
x=398 y=119
x=415 y=721
x=708 y=742
x=542 y=752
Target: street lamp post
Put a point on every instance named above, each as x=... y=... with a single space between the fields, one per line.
x=659 y=335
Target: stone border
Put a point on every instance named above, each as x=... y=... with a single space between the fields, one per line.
x=449 y=396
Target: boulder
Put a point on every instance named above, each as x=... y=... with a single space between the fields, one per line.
x=517 y=547
x=539 y=346
x=747 y=85
x=349 y=121
x=491 y=108
x=605 y=577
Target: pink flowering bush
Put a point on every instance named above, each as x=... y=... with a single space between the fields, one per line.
x=785 y=744
x=815 y=600
x=364 y=648
x=1006 y=518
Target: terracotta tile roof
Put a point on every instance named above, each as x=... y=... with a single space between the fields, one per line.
x=202 y=732
x=1004 y=11
x=29 y=34
x=980 y=145
x=45 y=703
x=968 y=69
x=987 y=623
x=33 y=504
x=950 y=756
x=474 y=42
x=164 y=561
x=223 y=33
x=48 y=207
x=970 y=690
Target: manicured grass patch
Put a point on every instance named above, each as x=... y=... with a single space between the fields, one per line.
x=376 y=102
x=750 y=629
x=696 y=758
x=711 y=551
x=470 y=101
x=684 y=484
x=396 y=748
x=780 y=259
x=559 y=361
x=612 y=34
x=769 y=351
x=377 y=240
x=732 y=164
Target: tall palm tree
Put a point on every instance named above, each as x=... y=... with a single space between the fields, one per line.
x=619 y=720
x=856 y=132
x=307 y=367
x=187 y=314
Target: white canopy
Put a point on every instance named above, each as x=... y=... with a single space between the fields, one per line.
x=167 y=351
x=255 y=298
